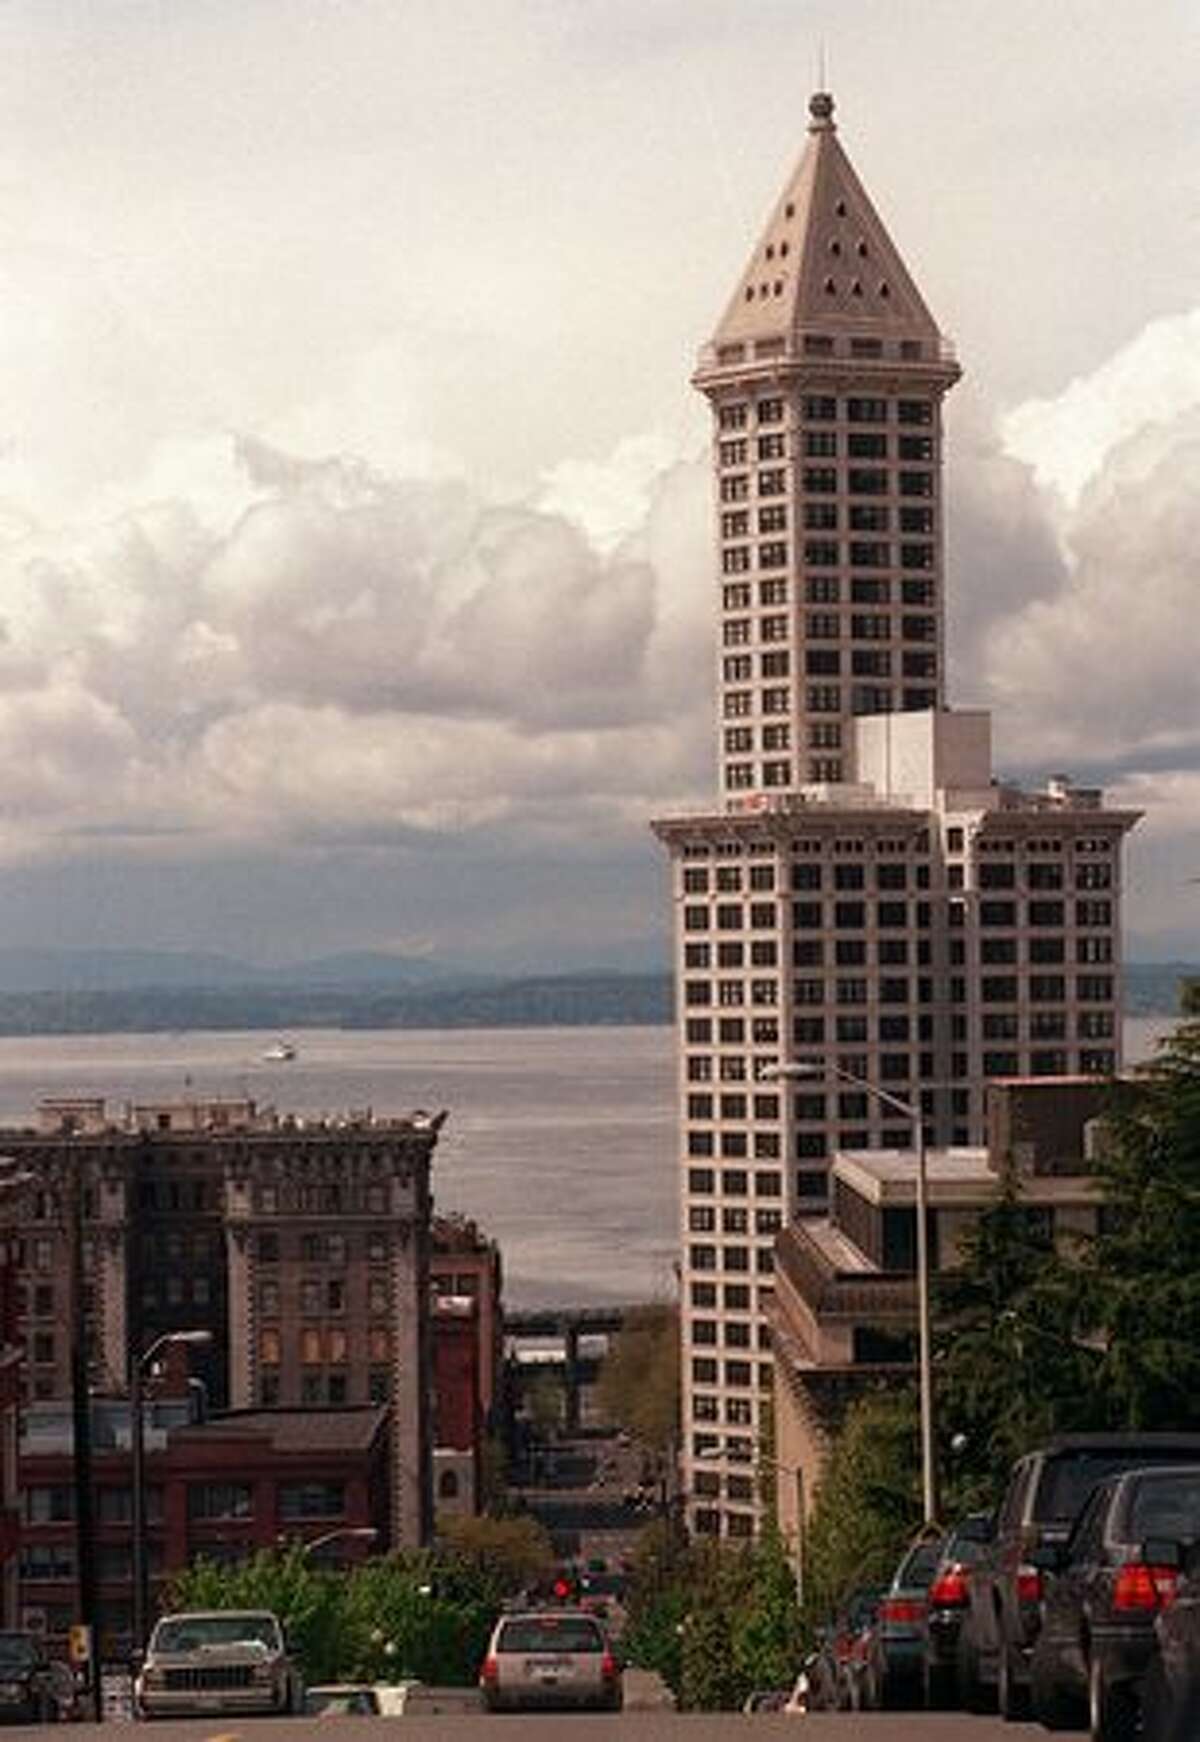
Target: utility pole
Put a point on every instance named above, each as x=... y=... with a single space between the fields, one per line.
x=81 y=1413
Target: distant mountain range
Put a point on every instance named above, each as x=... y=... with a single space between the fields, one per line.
x=39 y=970
x=144 y=991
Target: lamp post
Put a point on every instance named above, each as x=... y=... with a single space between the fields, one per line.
x=807 y=1071
x=139 y=1365
x=347 y=1533
x=765 y=1462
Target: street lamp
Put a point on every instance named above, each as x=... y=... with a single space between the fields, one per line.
x=139 y=1365
x=806 y=1070
x=347 y=1533
x=765 y=1461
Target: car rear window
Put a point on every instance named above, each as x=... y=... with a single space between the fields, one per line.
x=919 y=1565
x=964 y=1551
x=1167 y=1506
x=15 y=1651
x=551 y=1633
x=1069 y=1477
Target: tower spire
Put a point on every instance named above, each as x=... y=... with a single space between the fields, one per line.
x=825 y=265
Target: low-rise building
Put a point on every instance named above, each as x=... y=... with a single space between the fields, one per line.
x=220 y=1489
x=845 y=1311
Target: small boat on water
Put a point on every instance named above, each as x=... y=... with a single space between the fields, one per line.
x=282 y=1053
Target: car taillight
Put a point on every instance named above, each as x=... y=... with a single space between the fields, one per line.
x=1142 y=1587
x=902 y=1609
x=1029 y=1584
x=950 y=1591
x=608 y=1666
x=491 y=1669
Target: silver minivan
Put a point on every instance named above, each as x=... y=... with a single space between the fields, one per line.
x=554 y=1657
x=215 y=1661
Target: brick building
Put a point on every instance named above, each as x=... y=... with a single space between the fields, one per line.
x=220 y=1488
x=302 y=1245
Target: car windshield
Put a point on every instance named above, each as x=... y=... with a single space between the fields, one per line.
x=15 y=1652
x=550 y=1633
x=1069 y=1478
x=203 y=1632
x=1165 y=1506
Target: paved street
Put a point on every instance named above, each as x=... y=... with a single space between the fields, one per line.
x=629 y=1727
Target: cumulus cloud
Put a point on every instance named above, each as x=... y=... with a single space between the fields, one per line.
x=1099 y=669
x=352 y=649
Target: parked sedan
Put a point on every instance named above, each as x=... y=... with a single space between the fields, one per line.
x=896 y=1645
x=945 y=1606
x=1110 y=1581
x=33 y=1690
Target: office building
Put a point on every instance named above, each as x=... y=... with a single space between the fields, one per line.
x=864 y=896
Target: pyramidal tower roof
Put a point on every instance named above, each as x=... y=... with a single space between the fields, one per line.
x=824 y=265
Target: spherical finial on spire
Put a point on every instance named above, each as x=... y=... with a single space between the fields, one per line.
x=820 y=107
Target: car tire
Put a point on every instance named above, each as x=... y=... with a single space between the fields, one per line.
x=975 y=1697
x=1053 y=1707
x=1113 y=1712
x=1012 y=1696
x=939 y=1685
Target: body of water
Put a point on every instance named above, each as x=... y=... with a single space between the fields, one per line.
x=560 y=1141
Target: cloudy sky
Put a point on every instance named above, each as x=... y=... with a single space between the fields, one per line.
x=354 y=581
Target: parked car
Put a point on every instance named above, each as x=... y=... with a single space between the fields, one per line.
x=895 y=1643
x=1046 y=1492
x=33 y=1688
x=342 y=1700
x=946 y=1604
x=226 y=1660
x=837 y=1665
x=1171 y=1692
x=558 y=1657
x=1110 y=1581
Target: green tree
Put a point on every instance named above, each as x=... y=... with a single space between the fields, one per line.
x=741 y=1629
x=416 y=1614
x=508 y=1554
x=868 y=1504
x=1142 y=1280
x=1012 y=1364
x=306 y=1600
x=638 y=1387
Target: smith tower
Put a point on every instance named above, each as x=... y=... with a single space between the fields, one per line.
x=826 y=377
x=864 y=900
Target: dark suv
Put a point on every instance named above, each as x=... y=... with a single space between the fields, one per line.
x=1110 y=1582
x=1046 y=1492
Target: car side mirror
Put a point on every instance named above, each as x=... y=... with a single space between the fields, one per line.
x=1162 y=1551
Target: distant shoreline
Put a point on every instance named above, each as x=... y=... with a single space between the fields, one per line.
x=543 y=1001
